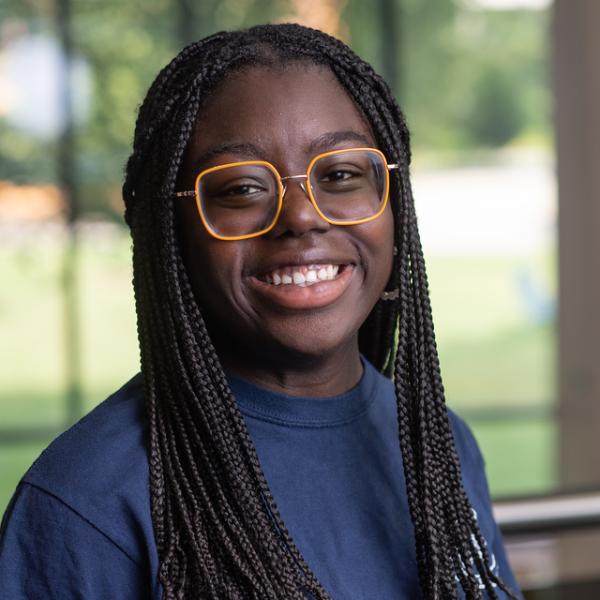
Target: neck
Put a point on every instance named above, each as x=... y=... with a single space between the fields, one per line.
x=298 y=375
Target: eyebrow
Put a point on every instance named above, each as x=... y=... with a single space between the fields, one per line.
x=331 y=139
x=320 y=144
x=249 y=150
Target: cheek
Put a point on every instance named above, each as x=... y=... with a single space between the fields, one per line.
x=212 y=271
x=208 y=262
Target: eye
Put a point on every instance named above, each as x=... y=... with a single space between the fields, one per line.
x=339 y=175
x=244 y=189
x=240 y=196
x=237 y=193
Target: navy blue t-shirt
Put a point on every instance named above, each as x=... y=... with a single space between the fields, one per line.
x=79 y=525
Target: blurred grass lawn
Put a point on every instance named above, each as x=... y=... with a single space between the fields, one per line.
x=491 y=354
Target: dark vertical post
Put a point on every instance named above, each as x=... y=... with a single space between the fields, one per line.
x=185 y=23
x=576 y=46
x=577 y=120
x=390 y=43
x=67 y=177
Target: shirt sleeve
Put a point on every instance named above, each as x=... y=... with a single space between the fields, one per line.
x=497 y=546
x=48 y=551
x=473 y=467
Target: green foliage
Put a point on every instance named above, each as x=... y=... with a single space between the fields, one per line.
x=124 y=44
x=24 y=160
x=521 y=457
x=449 y=56
x=496 y=116
x=466 y=78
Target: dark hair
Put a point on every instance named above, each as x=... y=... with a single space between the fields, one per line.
x=217 y=528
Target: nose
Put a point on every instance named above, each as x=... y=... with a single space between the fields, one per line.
x=298 y=214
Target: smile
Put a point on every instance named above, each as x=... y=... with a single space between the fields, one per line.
x=304 y=287
x=302 y=275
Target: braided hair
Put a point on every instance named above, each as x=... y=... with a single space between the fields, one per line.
x=218 y=531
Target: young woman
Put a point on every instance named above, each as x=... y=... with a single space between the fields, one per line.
x=287 y=437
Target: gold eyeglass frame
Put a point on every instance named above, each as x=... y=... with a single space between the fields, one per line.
x=282 y=190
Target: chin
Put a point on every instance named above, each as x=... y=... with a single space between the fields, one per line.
x=313 y=343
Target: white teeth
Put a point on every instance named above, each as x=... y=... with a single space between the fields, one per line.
x=303 y=275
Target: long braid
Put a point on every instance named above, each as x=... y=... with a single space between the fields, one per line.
x=218 y=531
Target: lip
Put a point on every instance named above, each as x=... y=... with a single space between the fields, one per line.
x=294 y=297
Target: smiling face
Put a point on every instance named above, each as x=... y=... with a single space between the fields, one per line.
x=258 y=320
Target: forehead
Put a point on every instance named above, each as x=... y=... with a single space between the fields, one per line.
x=281 y=110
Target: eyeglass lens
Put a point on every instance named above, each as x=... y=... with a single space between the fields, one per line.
x=348 y=186
x=241 y=200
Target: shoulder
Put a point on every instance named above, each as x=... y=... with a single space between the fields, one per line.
x=383 y=389
x=467 y=449
x=476 y=487
x=96 y=448
x=98 y=469
x=79 y=524
x=47 y=550
x=471 y=460
x=472 y=470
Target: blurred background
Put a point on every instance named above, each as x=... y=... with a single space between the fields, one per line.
x=502 y=100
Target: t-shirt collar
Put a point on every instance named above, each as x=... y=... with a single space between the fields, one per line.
x=302 y=411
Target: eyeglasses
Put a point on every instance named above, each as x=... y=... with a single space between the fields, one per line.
x=242 y=200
